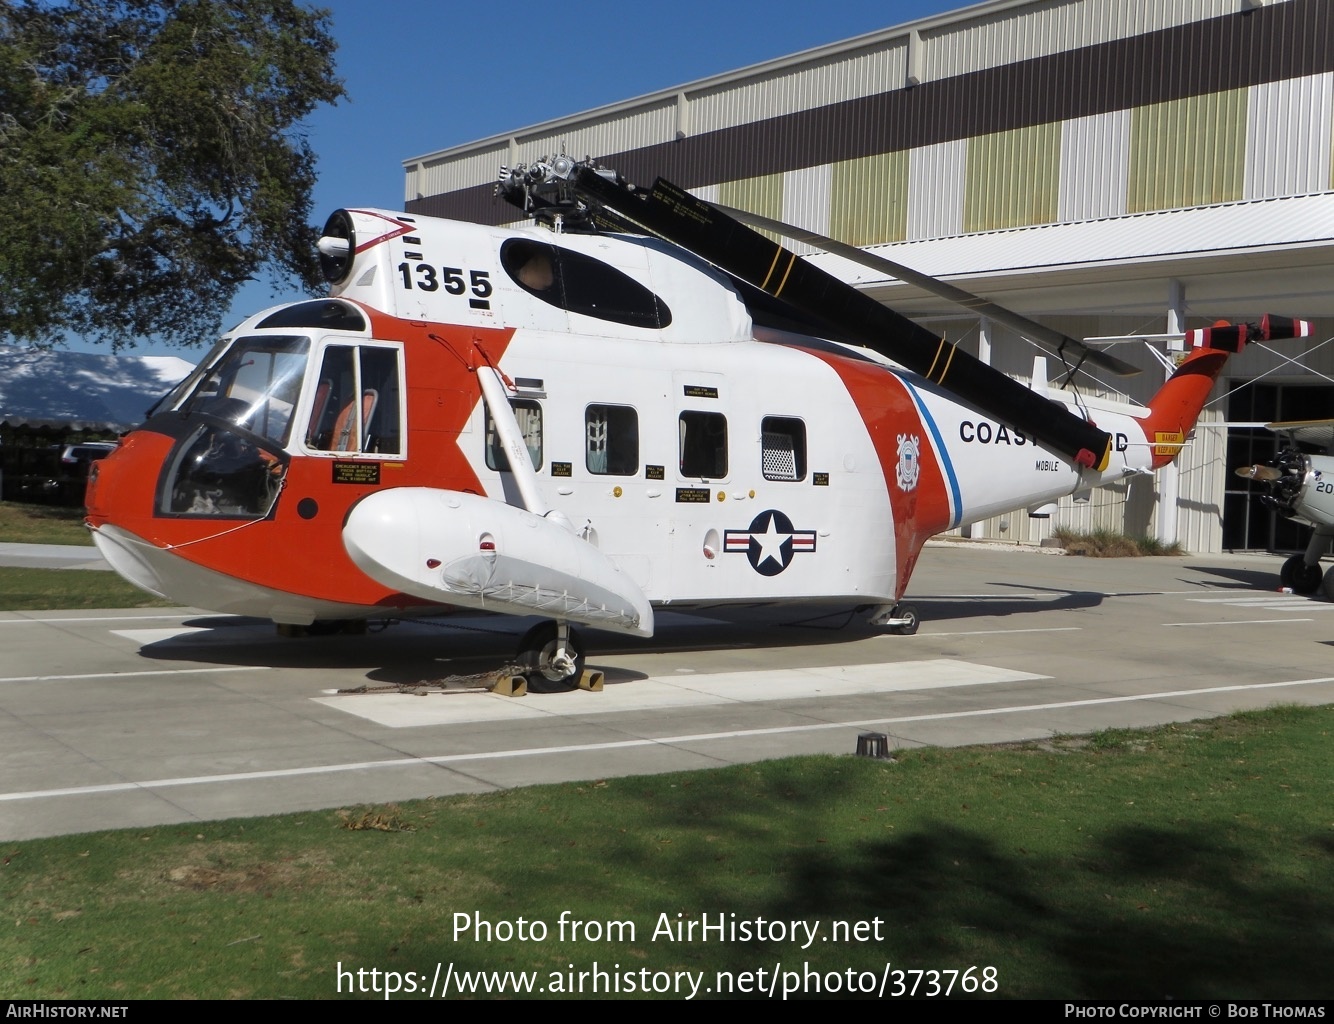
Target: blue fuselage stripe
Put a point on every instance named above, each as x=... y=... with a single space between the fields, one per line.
x=956 y=501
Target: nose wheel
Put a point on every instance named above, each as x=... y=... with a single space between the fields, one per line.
x=552 y=656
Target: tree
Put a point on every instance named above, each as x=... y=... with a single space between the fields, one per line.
x=152 y=160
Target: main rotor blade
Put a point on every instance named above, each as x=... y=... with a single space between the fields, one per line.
x=678 y=217
x=1069 y=349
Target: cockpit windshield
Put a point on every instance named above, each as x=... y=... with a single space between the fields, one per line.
x=229 y=462
x=255 y=386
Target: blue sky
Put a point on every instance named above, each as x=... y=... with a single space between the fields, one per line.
x=424 y=75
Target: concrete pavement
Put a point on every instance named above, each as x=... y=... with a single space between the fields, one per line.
x=147 y=716
x=51 y=556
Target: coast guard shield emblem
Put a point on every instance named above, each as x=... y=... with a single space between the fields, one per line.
x=909 y=468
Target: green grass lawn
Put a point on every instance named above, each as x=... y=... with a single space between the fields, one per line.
x=1187 y=862
x=42 y=524
x=29 y=589
x=25 y=589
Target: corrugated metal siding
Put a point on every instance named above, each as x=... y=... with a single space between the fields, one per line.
x=709 y=193
x=763 y=195
x=870 y=199
x=935 y=189
x=1187 y=152
x=1200 y=482
x=1036 y=30
x=435 y=177
x=1288 y=137
x=846 y=76
x=806 y=202
x=631 y=129
x=1276 y=363
x=1012 y=178
x=1095 y=162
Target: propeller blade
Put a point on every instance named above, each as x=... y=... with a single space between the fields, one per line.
x=1265 y=474
x=673 y=214
x=1069 y=349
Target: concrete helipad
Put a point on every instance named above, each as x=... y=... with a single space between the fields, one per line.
x=138 y=717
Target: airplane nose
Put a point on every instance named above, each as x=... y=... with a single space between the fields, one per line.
x=120 y=487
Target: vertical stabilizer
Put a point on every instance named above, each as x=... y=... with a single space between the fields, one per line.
x=1175 y=408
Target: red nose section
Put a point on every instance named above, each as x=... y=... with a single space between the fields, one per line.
x=121 y=486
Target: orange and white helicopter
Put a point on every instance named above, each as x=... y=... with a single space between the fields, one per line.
x=637 y=401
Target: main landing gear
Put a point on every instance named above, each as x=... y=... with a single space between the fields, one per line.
x=1302 y=572
x=552 y=657
x=1302 y=578
x=900 y=619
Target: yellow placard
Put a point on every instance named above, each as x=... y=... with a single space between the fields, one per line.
x=1167 y=442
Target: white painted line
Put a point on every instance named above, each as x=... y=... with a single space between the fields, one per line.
x=75 y=620
x=1287 y=604
x=994 y=632
x=135 y=675
x=1253 y=598
x=399 y=711
x=576 y=748
x=1236 y=622
x=144 y=637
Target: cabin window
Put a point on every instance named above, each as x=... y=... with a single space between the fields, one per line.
x=528 y=415
x=783 y=448
x=582 y=284
x=703 y=445
x=611 y=440
x=358 y=405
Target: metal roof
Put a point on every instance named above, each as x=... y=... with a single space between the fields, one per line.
x=1261 y=225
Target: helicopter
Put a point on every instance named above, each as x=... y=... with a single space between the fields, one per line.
x=633 y=402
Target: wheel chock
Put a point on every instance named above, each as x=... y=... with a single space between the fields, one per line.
x=591 y=681
x=510 y=686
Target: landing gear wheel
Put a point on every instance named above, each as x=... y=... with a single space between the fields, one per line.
x=905 y=611
x=1327 y=585
x=538 y=656
x=1302 y=578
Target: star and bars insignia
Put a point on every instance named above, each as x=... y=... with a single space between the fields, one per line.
x=769 y=543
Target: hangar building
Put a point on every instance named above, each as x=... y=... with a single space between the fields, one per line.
x=1110 y=167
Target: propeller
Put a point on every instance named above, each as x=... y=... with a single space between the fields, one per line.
x=1265 y=474
x=674 y=215
x=1067 y=348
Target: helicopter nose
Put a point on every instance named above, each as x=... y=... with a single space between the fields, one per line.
x=131 y=557
x=120 y=487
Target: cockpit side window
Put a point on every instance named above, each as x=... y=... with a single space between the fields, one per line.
x=581 y=284
x=357 y=405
